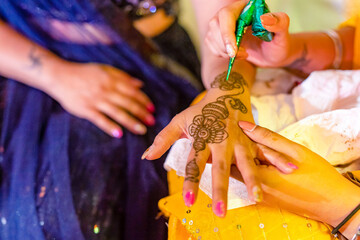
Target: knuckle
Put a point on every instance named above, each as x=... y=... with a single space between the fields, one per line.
x=220 y=189
x=213 y=23
x=251 y=180
x=224 y=12
x=160 y=139
x=221 y=166
x=265 y=133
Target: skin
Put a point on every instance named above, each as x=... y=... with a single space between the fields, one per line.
x=315 y=190
x=111 y=99
x=91 y=91
x=224 y=147
x=301 y=52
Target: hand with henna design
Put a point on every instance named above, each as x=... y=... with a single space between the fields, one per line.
x=211 y=124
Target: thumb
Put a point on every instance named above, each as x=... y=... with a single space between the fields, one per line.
x=277 y=23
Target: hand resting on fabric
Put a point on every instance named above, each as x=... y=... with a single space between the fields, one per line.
x=315 y=190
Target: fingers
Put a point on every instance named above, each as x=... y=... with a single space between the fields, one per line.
x=130 y=87
x=221 y=34
x=105 y=124
x=271 y=139
x=163 y=141
x=131 y=106
x=214 y=39
x=227 y=25
x=194 y=168
x=221 y=165
x=280 y=161
x=277 y=23
x=122 y=117
x=135 y=93
x=247 y=167
x=123 y=76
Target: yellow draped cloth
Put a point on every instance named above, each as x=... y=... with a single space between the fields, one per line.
x=253 y=222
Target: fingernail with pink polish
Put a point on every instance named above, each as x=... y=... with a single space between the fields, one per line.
x=247 y=126
x=150 y=120
x=220 y=209
x=117 y=133
x=293 y=166
x=150 y=107
x=189 y=199
x=147 y=152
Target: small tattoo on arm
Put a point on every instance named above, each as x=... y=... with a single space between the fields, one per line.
x=35 y=59
x=209 y=127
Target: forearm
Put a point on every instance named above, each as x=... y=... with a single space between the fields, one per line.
x=316 y=51
x=24 y=60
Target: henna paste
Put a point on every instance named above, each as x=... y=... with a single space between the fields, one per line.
x=209 y=127
x=192 y=171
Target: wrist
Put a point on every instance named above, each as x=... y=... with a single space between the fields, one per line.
x=348 y=201
x=53 y=68
x=297 y=51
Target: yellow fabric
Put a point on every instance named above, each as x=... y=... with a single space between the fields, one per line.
x=249 y=223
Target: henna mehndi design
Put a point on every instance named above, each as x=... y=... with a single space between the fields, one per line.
x=208 y=127
x=235 y=80
x=192 y=171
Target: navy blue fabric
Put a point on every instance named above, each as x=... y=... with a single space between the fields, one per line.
x=61 y=175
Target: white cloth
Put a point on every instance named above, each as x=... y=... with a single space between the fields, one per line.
x=323 y=114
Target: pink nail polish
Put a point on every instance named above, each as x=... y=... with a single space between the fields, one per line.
x=293 y=166
x=117 y=133
x=150 y=120
x=150 y=107
x=248 y=126
x=220 y=209
x=189 y=199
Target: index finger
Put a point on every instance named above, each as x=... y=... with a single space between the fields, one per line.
x=270 y=139
x=227 y=22
x=164 y=139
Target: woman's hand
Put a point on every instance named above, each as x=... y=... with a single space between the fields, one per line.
x=106 y=96
x=222 y=41
x=211 y=124
x=315 y=190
